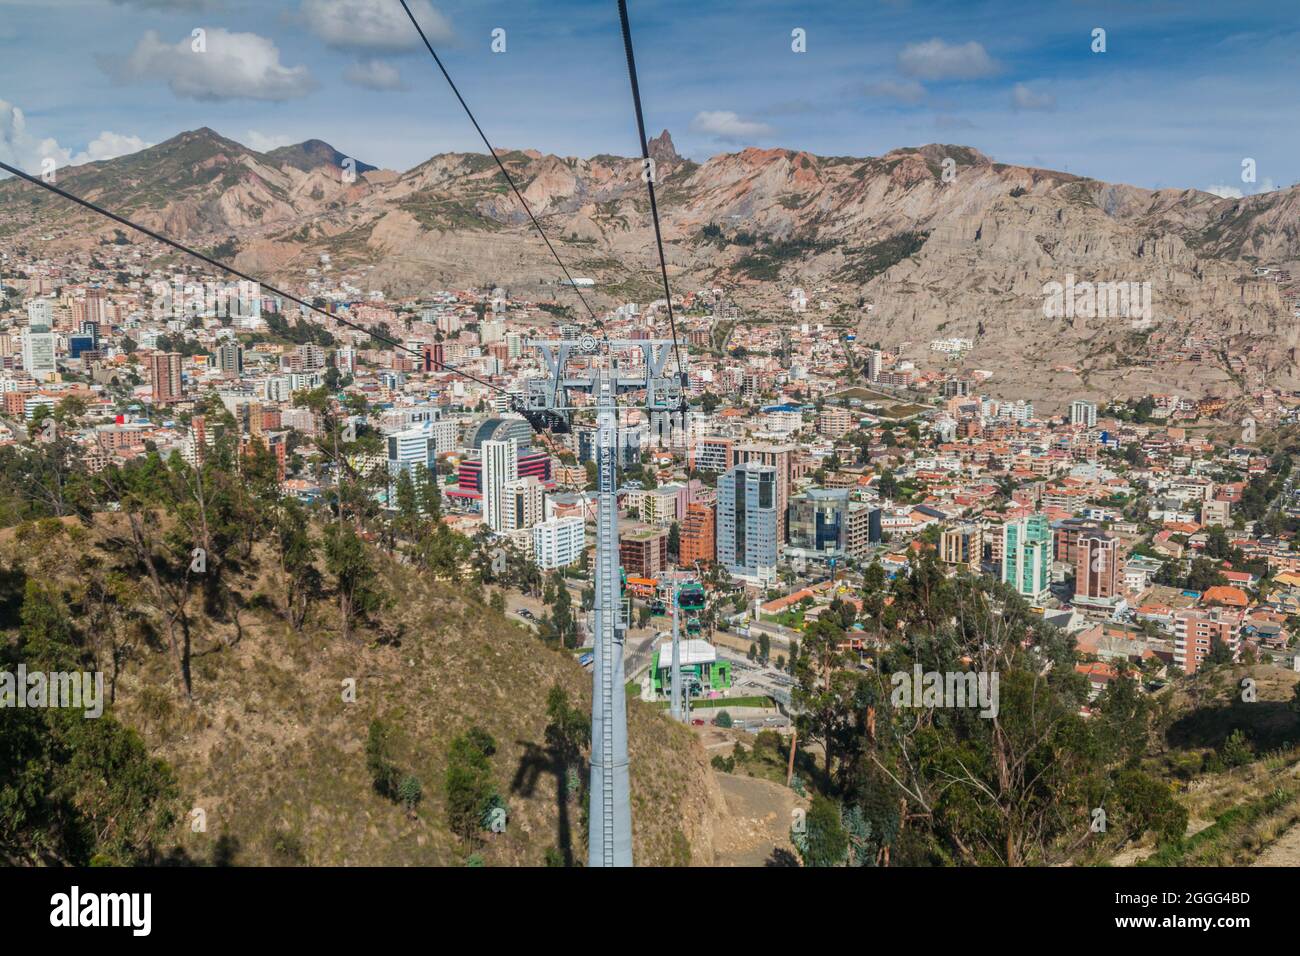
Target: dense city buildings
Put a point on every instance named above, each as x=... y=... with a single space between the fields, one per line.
x=770 y=480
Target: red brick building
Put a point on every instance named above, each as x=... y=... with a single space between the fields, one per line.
x=698 y=535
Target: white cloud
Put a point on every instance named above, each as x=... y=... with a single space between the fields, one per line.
x=110 y=145
x=372 y=74
x=233 y=66
x=374 y=25
x=727 y=126
x=19 y=147
x=1023 y=98
x=905 y=91
x=262 y=143
x=937 y=60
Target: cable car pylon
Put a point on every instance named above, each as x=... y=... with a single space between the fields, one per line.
x=586 y=365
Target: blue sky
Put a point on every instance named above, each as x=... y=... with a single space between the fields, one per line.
x=1184 y=92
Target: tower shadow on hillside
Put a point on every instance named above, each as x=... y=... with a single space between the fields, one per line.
x=535 y=762
x=1267 y=724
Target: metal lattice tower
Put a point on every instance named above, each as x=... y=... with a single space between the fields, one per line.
x=675 y=707
x=609 y=838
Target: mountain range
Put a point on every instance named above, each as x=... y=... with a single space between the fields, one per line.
x=921 y=243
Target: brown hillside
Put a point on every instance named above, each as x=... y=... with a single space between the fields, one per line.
x=276 y=759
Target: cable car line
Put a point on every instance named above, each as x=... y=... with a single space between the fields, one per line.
x=500 y=165
x=650 y=185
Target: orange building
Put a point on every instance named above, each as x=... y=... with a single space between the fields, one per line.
x=698 y=535
x=1196 y=630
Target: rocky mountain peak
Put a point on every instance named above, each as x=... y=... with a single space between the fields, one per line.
x=662 y=150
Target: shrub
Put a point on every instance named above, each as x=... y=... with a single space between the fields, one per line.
x=468 y=781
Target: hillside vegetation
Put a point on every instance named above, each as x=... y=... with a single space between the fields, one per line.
x=314 y=689
x=276 y=759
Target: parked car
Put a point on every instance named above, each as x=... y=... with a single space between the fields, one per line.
x=696 y=722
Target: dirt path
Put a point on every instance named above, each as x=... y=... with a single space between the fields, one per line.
x=758 y=819
x=1284 y=852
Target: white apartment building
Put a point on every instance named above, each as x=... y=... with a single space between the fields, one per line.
x=500 y=467
x=1083 y=413
x=408 y=448
x=38 y=351
x=523 y=501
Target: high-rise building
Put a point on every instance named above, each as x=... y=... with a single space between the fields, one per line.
x=659 y=505
x=500 y=464
x=710 y=453
x=38 y=352
x=559 y=542
x=1083 y=413
x=197 y=441
x=81 y=345
x=165 y=377
x=818 y=523
x=469 y=477
x=522 y=503
x=963 y=545
x=643 y=552
x=747 y=522
x=407 y=449
x=782 y=459
x=875 y=363
x=1195 y=631
x=697 y=534
x=311 y=356
x=629 y=440
x=1027 y=557
x=40 y=314
x=502 y=429
x=1066 y=535
x=863 y=529
x=435 y=357
x=1097 y=568
x=93 y=308
x=230 y=358
x=835 y=421
x=444 y=435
